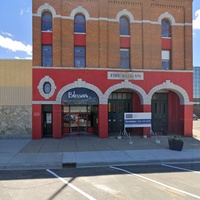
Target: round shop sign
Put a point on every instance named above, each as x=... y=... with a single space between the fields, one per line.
x=80 y=96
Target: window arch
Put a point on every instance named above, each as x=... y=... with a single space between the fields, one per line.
x=124 y=26
x=79 y=23
x=166 y=28
x=46 y=21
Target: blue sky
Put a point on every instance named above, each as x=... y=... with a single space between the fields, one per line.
x=16 y=30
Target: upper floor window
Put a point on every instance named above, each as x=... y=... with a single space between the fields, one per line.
x=46 y=21
x=124 y=26
x=166 y=28
x=166 y=59
x=124 y=58
x=79 y=56
x=79 y=24
x=47 y=55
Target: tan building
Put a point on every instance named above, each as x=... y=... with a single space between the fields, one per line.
x=15 y=97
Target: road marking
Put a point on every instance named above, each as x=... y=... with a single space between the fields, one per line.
x=157 y=182
x=69 y=184
x=180 y=168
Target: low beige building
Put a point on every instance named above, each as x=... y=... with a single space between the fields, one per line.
x=15 y=98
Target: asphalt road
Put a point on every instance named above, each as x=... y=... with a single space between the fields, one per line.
x=165 y=181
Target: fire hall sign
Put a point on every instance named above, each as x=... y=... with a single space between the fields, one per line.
x=126 y=75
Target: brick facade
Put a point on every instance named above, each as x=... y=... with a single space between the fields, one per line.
x=103 y=55
x=102 y=38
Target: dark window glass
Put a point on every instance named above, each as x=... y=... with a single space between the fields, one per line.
x=124 y=26
x=46 y=21
x=46 y=55
x=79 y=24
x=124 y=58
x=166 y=29
x=79 y=56
x=47 y=87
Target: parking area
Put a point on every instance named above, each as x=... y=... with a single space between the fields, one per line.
x=163 y=181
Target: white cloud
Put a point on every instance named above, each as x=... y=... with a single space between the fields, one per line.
x=8 y=34
x=196 y=21
x=21 y=12
x=14 y=45
x=26 y=58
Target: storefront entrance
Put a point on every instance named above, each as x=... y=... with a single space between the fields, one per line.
x=80 y=111
x=79 y=119
x=118 y=104
x=160 y=113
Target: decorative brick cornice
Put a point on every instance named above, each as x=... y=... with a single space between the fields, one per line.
x=124 y=12
x=167 y=6
x=123 y=2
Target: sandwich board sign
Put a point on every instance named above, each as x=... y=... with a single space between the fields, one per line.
x=137 y=119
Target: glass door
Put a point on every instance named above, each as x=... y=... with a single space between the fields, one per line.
x=77 y=119
x=80 y=122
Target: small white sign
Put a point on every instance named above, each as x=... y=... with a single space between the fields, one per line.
x=126 y=75
x=48 y=118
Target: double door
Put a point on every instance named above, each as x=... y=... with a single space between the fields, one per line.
x=79 y=122
x=160 y=115
x=77 y=119
x=116 y=110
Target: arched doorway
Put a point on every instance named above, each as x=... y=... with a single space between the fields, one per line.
x=159 y=109
x=167 y=113
x=80 y=111
x=120 y=102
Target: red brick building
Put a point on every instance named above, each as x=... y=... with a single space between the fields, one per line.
x=93 y=60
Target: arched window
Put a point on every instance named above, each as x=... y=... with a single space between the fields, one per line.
x=46 y=21
x=79 y=24
x=124 y=26
x=166 y=28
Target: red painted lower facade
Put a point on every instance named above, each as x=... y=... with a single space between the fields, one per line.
x=146 y=88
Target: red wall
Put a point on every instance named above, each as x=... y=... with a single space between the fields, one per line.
x=124 y=42
x=46 y=37
x=178 y=122
x=166 y=43
x=99 y=79
x=37 y=121
x=80 y=39
x=57 y=121
x=175 y=115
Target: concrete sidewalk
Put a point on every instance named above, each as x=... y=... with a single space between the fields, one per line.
x=91 y=151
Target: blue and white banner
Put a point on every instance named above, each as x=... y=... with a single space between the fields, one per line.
x=137 y=119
